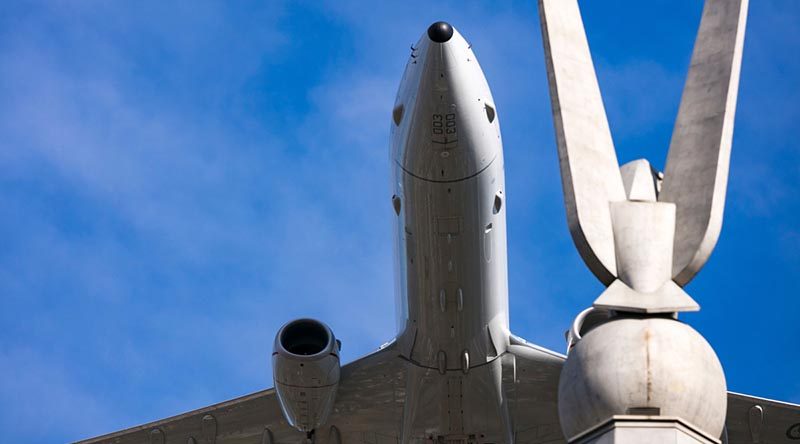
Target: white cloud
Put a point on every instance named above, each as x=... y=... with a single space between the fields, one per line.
x=42 y=399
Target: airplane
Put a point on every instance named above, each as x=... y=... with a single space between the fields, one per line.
x=455 y=374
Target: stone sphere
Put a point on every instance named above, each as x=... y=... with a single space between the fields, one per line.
x=633 y=366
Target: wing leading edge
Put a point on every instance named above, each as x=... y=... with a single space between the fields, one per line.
x=370 y=407
x=370 y=404
x=252 y=418
x=366 y=408
x=758 y=420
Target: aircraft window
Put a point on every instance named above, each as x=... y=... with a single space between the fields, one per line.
x=498 y=202
x=397 y=114
x=396 y=204
x=490 y=113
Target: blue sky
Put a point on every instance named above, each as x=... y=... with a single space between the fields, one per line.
x=178 y=180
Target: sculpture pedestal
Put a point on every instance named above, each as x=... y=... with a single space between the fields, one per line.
x=635 y=429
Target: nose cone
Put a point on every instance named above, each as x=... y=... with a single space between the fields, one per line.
x=444 y=125
x=440 y=32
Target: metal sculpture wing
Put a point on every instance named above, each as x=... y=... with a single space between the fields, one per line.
x=645 y=241
x=697 y=165
x=589 y=169
x=696 y=173
x=679 y=213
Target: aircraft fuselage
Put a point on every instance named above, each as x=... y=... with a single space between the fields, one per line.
x=448 y=186
x=451 y=272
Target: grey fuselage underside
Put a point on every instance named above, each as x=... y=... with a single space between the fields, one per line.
x=451 y=271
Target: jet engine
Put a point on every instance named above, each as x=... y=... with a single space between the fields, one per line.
x=305 y=368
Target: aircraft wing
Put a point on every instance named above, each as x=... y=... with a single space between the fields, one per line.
x=533 y=395
x=252 y=418
x=757 y=420
x=372 y=393
x=369 y=407
x=367 y=404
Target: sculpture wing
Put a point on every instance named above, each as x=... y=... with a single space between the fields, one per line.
x=696 y=172
x=589 y=169
x=757 y=420
x=367 y=410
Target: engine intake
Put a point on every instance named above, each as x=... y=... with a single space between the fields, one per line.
x=305 y=337
x=305 y=366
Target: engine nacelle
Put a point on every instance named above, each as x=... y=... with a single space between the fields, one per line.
x=305 y=368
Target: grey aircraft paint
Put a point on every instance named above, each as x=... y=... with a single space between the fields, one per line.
x=447 y=162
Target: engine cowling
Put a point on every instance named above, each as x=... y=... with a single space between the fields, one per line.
x=305 y=368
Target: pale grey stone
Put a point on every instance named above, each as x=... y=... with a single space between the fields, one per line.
x=629 y=429
x=589 y=168
x=696 y=172
x=633 y=365
x=643 y=233
x=641 y=181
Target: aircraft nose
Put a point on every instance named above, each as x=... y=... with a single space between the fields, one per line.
x=440 y=32
x=444 y=127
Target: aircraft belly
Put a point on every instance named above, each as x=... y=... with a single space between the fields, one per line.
x=455 y=406
x=453 y=267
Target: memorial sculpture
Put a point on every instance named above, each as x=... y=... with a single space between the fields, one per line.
x=634 y=372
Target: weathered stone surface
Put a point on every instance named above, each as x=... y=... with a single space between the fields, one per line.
x=589 y=168
x=696 y=174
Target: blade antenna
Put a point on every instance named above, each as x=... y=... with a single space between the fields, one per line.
x=696 y=173
x=589 y=168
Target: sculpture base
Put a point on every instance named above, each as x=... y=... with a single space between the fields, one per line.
x=636 y=429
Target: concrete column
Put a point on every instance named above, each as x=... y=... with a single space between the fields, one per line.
x=633 y=429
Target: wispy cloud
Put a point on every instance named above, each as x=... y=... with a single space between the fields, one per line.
x=29 y=381
x=187 y=219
